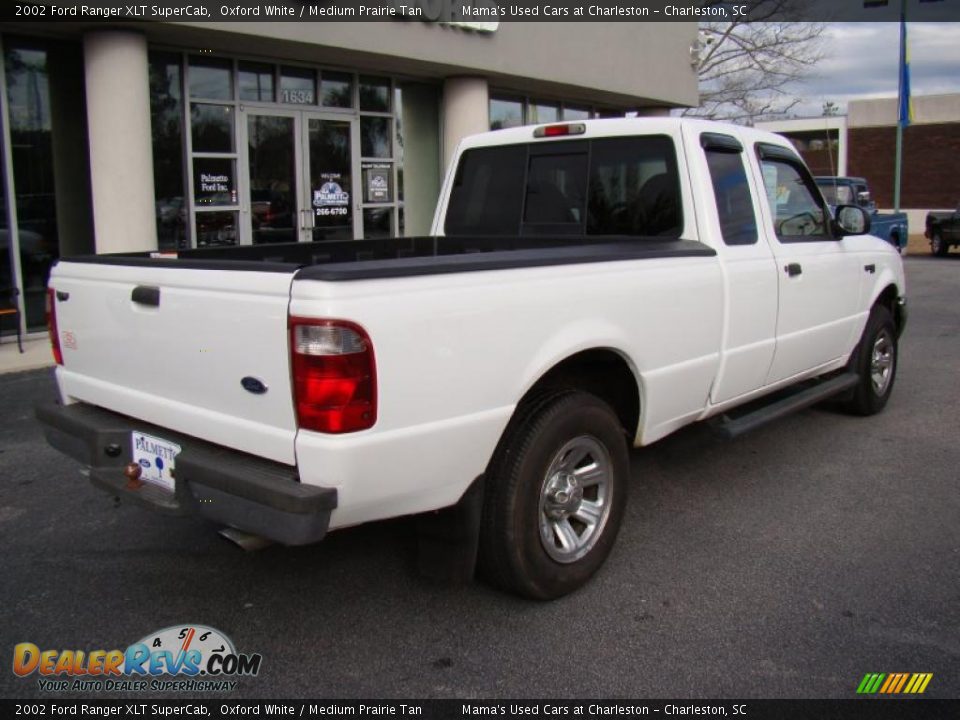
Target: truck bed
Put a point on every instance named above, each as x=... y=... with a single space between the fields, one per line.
x=407 y=257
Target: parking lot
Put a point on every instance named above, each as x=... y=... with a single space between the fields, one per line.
x=788 y=563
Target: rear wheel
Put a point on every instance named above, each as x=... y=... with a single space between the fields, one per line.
x=875 y=362
x=554 y=497
x=938 y=247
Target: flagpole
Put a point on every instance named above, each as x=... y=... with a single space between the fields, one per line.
x=898 y=162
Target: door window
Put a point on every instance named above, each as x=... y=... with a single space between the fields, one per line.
x=794 y=204
x=331 y=179
x=271 y=148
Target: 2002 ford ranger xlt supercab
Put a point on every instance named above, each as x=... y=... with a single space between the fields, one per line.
x=587 y=287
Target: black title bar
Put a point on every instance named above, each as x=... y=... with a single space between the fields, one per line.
x=865 y=709
x=480 y=15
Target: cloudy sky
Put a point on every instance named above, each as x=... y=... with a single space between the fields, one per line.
x=861 y=61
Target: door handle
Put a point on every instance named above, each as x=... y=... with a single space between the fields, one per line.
x=793 y=269
x=871 y=268
x=146 y=295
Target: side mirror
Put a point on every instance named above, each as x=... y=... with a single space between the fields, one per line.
x=850 y=220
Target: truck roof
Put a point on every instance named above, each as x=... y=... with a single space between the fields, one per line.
x=624 y=126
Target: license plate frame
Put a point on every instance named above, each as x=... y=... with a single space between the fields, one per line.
x=156 y=457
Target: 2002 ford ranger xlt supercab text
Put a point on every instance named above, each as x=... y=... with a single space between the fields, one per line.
x=587 y=287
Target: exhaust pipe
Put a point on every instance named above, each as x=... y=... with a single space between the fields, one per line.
x=244 y=540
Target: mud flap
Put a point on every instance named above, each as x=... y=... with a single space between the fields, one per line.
x=447 y=539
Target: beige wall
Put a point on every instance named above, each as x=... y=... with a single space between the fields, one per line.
x=618 y=63
x=927 y=109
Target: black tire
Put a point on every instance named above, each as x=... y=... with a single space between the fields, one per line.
x=938 y=247
x=521 y=501
x=877 y=349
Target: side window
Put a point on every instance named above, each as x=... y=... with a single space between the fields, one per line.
x=795 y=207
x=738 y=225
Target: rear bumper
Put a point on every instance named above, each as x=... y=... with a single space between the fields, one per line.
x=226 y=486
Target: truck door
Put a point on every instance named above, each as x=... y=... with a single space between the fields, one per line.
x=818 y=275
x=751 y=281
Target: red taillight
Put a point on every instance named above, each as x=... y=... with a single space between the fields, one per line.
x=52 y=325
x=334 y=375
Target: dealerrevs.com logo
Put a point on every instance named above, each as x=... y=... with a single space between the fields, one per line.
x=198 y=657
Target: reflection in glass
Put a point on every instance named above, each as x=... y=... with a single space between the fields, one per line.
x=575 y=113
x=337 y=89
x=216 y=228
x=374 y=94
x=28 y=95
x=375 y=137
x=505 y=113
x=166 y=107
x=272 y=178
x=214 y=181
x=398 y=147
x=255 y=81
x=211 y=128
x=298 y=86
x=211 y=78
x=7 y=292
x=543 y=113
x=377 y=222
x=330 y=179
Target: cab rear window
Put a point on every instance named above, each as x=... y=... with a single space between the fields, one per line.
x=602 y=187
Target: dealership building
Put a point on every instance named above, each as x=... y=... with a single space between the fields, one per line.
x=159 y=136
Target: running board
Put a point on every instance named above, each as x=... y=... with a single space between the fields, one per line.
x=731 y=427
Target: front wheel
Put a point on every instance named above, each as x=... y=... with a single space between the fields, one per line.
x=875 y=363
x=555 y=495
x=938 y=247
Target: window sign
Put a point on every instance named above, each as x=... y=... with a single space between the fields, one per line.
x=214 y=181
x=331 y=199
x=376 y=183
x=298 y=86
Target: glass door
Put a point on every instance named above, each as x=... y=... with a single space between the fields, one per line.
x=332 y=186
x=300 y=179
x=273 y=163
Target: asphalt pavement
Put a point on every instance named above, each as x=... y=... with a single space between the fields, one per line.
x=786 y=564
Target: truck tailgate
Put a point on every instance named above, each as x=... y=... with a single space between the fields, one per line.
x=180 y=362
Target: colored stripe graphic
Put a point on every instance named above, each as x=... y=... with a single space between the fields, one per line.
x=894 y=683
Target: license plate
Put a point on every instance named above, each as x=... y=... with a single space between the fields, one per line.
x=156 y=458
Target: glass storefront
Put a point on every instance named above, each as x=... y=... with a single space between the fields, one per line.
x=273 y=152
x=507 y=112
x=31 y=147
x=7 y=282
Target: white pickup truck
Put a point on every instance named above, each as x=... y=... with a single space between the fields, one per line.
x=587 y=287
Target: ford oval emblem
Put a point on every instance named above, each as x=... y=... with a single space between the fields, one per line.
x=254 y=385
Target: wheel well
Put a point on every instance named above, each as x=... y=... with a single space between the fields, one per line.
x=600 y=372
x=888 y=299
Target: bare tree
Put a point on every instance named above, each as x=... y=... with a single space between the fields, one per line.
x=745 y=68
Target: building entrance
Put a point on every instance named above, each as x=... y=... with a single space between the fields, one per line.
x=300 y=184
